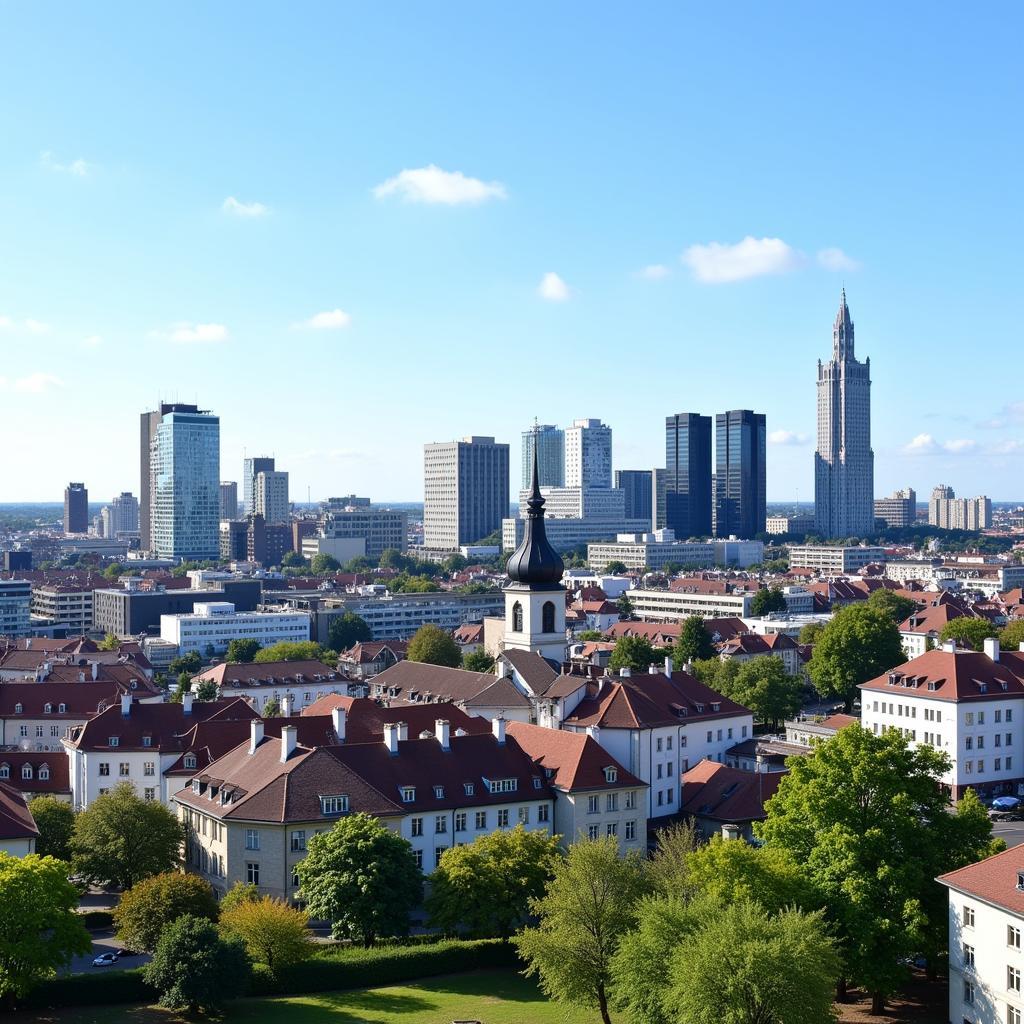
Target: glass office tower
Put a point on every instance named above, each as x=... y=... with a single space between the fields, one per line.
x=739 y=474
x=688 y=474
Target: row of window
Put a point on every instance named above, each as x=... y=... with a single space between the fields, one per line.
x=460 y=821
x=999 y=764
x=1012 y=980
x=1012 y=933
x=611 y=802
x=23 y=731
x=27 y=771
x=147 y=794
x=469 y=789
x=978 y=742
x=124 y=769
x=19 y=709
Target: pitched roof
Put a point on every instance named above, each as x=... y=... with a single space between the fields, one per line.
x=80 y=700
x=959 y=675
x=417 y=682
x=932 y=618
x=366 y=651
x=838 y=722
x=716 y=791
x=241 y=674
x=365 y=719
x=55 y=761
x=994 y=879
x=537 y=672
x=576 y=760
x=16 y=821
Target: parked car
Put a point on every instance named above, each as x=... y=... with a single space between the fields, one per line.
x=127 y=952
x=1006 y=803
x=105 y=960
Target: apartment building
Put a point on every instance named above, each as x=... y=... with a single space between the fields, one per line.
x=897 y=511
x=64 y=604
x=215 y=624
x=15 y=607
x=834 y=561
x=676 y=605
x=297 y=684
x=381 y=528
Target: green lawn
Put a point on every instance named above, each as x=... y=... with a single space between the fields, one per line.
x=492 y=997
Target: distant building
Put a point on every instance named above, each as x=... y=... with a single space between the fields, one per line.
x=688 y=475
x=658 y=549
x=948 y=512
x=216 y=623
x=789 y=524
x=228 y=499
x=658 y=500
x=15 y=607
x=250 y=467
x=844 y=464
x=899 y=510
x=588 y=454
x=740 y=495
x=465 y=491
x=550 y=455
x=835 y=561
x=637 y=486
x=270 y=496
x=267 y=543
x=675 y=605
x=234 y=540
x=123 y=520
x=380 y=528
x=17 y=561
x=567 y=533
x=76 y=508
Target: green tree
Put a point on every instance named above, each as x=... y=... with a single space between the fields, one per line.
x=322 y=564
x=859 y=644
x=588 y=907
x=1012 y=635
x=894 y=605
x=861 y=814
x=632 y=652
x=293 y=560
x=743 y=965
x=625 y=608
x=767 y=600
x=39 y=929
x=290 y=650
x=434 y=646
x=120 y=839
x=392 y=558
x=111 y=642
x=968 y=631
x=810 y=633
x=272 y=709
x=454 y=563
x=615 y=567
x=149 y=906
x=243 y=651
x=113 y=571
x=55 y=820
x=763 y=685
x=694 y=643
x=207 y=690
x=668 y=868
x=182 y=686
x=361 y=877
x=590 y=634
x=240 y=892
x=478 y=661
x=195 y=969
x=347 y=630
x=485 y=887
x=190 y=663
x=274 y=933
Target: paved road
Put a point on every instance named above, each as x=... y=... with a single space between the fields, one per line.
x=1011 y=832
x=104 y=942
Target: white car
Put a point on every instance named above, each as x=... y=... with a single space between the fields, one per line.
x=105 y=960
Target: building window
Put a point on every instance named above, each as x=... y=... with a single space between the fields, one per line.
x=298 y=841
x=593 y=831
x=149 y=793
x=124 y=769
x=542 y=813
x=469 y=788
x=149 y=768
x=659 y=745
x=968 y=917
x=439 y=792
x=1012 y=1015
x=1013 y=979
x=548 y=617
x=438 y=854
x=296 y=882
x=631 y=800
x=440 y=824
x=593 y=805
x=334 y=805
x=969 y=993
x=611 y=802
x=517 y=618
x=252 y=839
x=112 y=741
x=26 y=771
x=417 y=855
x=524 y=815
x=416 y=827
x=503 y=817
x=147 y=741
x=190 y=760
x=612 y=828
x=630 y=831
x=480 y=820
x=968 y=956
x=252 y=873
x=710 y=734
x=1012 y=935
x=408 y=794
x=460 y=821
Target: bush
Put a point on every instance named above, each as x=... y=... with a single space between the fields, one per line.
x=150 y=906
x=97 y=989
x=97 y=920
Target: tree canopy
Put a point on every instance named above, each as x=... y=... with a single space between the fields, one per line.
x=894 y=605
x=39 y=929
x=634 y=653
x=55 y=820
x=362 y=877
x=274 y=933
x=624 y=606
x=763 y=685
x=121 y=839
x=321 y=564
x=290 y=650
x=149 y=906
x=1012 y=635
x=242 y=650
x=478 y=661
x=767 y=600
x=694 y=643
x=346 y=630
x=434 y=646
x=969 y=631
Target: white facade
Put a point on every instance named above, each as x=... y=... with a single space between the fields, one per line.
x=535 y=621
x=270 y=496
x=836 y=560
x=564 y=534
x=674 y=606
x=215 y=624
x=588 y=454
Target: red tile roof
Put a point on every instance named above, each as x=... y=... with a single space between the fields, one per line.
x=954 y=676
x=365 y=719
x=16 y=821
x=716 y=791
x=994 y=880
x=838 y=722
x=80 y=700
x=271 y=673
x=55 y=760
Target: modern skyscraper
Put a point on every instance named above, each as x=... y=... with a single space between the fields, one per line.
x=184 y=484
x=588 y=454
x=550 y=456
x=250 y=467
x=76 y=508
x=465 y=491
x=270 y=496
x=948 y=512
x=228 y=499
x=124 y=515
x=688 y=474
x=844 y=465
x=658 y=499
x=740 y=495
x=638 y=487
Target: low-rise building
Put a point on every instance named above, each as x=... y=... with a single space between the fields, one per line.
x=726 y=800
x=18 y=830
x=809 y=731
x=838 y=560
x=214 y=624
x=789 y=524
x=369 y=658
x=63 y=604
x=674 y=605
x=295 y=683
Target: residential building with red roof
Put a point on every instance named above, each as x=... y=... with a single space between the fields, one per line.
x=986 y=922
x=18 y=831
x=300 y=682
x=969 y=704
x=36 y=773
x=368 y=658
x=921 y=630
x=725 y=800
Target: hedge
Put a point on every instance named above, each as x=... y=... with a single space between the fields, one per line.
x=333 y=969
x=95 y=920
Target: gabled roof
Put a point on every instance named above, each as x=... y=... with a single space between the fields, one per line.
x=536 y=672
x=716 y=791
x=838 y=722
x=994 y=880
x=80 y=700
x=365 y=719
x=959 y=675
x=745 y=643
x=367 y=651
x=931 y=619
x=577 y=761
x=414 y=680
x=239 y=674
x=56 y=761
x=16 y=821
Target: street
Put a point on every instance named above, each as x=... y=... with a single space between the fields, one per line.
x=1011 y=832
x=104 y=942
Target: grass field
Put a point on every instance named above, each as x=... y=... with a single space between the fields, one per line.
x=492 y=997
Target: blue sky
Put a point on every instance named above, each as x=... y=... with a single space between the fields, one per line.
x=350 y=229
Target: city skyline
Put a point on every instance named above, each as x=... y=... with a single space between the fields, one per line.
x=394 y=234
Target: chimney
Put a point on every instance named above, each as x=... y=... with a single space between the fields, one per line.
x=186 y=702
x=652 y=670
x=730 y=831
x=442 y=730
x=992 y=648
x=28 y=644
x=688 y=668
x=497 y=729
x=288 y=734
x=81 y=677
x=126 y=704
x=403 y=732
x=625 y=672
x=255 y=734
x=391 y=737
x=949 y=647
x=286 y=705
x=668 y=667
x=95 y=665
x=339 y=722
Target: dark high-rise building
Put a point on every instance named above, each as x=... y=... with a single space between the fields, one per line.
x=637 y=486
x=76 y=509
x=688 y=474
x=739 y=473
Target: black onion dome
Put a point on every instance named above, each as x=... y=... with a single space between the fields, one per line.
x=535 y=561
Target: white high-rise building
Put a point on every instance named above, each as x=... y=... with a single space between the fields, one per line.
x=588 y=454
x=270 y=496
x=948 y=512
x=844 y=464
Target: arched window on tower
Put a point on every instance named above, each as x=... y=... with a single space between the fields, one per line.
x=517 y=618
x=548 y=616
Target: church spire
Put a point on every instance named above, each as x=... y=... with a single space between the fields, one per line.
x=535 y=561
x=842 y=332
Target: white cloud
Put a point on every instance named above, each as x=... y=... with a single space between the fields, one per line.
x=330 y=320
x=32 y=383
x=719 y=263
x=654 y=272
x=79 y=168
x=431 y=184
x=926 y=444
x=8 y=323
x=237 y=208
x=960 y=445
x=200 y=334
x=786 y=437
x=1008 y=448
x=836 y=259
x=36 y=326
x=92 y=341
x=553 y=288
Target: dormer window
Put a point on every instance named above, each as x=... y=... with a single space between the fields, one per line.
x=502 y=785
x=700 y=709
x=716 y=705
x=190 y=760
x=5 y=771
x=536 y=782
x=469 y=788
x=18 y=708
x=62 y=708
x=982 y=687
x=439 y=792
x=1020 y=881
x=26 y=771
x=334 y=805
x=1004 y=685
x=47 y=709
x=44 y=773
x=147 y=741
x=113 y=741
x=195 y=785
x=611 y=774
x=932 y=685
x=408 y=794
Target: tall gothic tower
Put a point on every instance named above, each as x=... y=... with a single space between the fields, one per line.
x=535 y=596
x=844 y=465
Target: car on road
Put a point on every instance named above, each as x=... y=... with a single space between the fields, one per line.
x=126 y=952
x=1005 y=803
x=105 y=960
